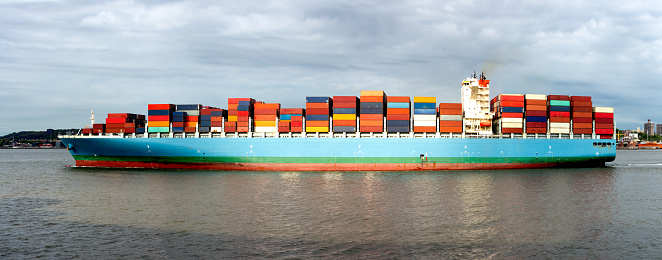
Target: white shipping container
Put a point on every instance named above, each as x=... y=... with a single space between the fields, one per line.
x=450 y=117
x=512 y=125
x=603 y=110
x=559 y=130
x=266 y=129
x=190 y=112
x=425 y=117
x=535 y=97
x=425 y=123
x=559 y=125
x=216 y=129
x=511 y=120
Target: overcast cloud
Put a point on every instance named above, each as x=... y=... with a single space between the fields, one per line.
x=59 y=59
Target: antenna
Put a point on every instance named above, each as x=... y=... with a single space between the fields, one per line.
x=92 y=118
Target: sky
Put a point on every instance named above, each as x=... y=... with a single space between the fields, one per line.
x=59 y=59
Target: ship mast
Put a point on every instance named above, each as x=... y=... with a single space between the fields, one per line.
x=92 y=118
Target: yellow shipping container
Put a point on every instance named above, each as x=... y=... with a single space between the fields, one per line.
x=425 y=100
x=190 y=124
x=232 y=118
x=265 y=123
x=158 y=123
x=372 y=93
x=344 y=116
x=313 y=129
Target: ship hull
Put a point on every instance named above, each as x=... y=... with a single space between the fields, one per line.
x=338 y=154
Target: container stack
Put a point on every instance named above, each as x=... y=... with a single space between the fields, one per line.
x=581 y=109
x=535 y=111
x=344 y=113
x=266 y=115
x=398 y=113
x=318 y=111
x=98 y=128
x=285 y=123
x=425 y=114
x=559 y=114
x=604 y=122
x=178 y=119
x=125 y=123
x=159 y=117
x=86 y=130
x=508 y=111
x=450 y=117
x=244 y=114
x=296 y=124
x=205 y=124
x=371 y=111
x=192 y=117
x=216 y=116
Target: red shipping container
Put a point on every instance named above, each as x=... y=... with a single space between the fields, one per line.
x=296 y=123
x=216 y=123
x=368 y=129
x=265 y=117
x=536 y=113
x=536 y=102
x=191 y=118
x=129 y=130
x=444 y=123
x=267 y=106
x=581 y=104
x=236 y=100
x=558 y=97
x=604 y=120
x=585 y=131
x=114 y=130
x=158 y=118
x=536 y=130
x=310 y=123
x=513 y=115
x=559 y=114
x=344 y=99
x=344 y=105
x=512 y=104
x=291 y=111
x=397 y=111
x=447 y=129
x=397 y=117
x=217 y=119
x=503 y=97
x=372 y=117
x=129 y=125
x=604 y=126
x=97 y=131
x=450 y=106
x=86 y=130
x=284 y=123
x=603 y=115
x=512 y=130
x=265 y=111
x=582 y=120
x=296 y=129
x=243 y=113
x=582 y=125
x=580 y=98
x=233 y=112
x=116 y=120
x=425 y=129
x=317 y=105
x=283 y=129
x=296 y=118
x=317 y=111
x=344 y=122
x=121 y=125
x=450 y=112
x=242 y=119
x=119 y=115
x=230 y=123
x=159 y=107
x=536 y=125
x=372 y=99
x=582 y=109
x=242 y=129
x=604 y=131
x=606 y=136
x=242 y=124
x=582 y=114
x=230 y=129
x=535 y=108
x=205 y=112
x=398 y=99
x=189 y=129
x=371 y=123
x=556 y=119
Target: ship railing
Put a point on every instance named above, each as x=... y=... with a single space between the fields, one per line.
x=333 y=135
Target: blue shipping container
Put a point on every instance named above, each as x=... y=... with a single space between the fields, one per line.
x=177 y=129
x=243 y=107
x=396 y=129
x=536 y=119
x=372 y=111
x=158 y=112
x=188 y=107
x=317 y=118
x=559 y=108
x=317 y=99
x=205 y=123
x=344 y=110
x=371 y=105
x=205 y=118
x=217 y=113
x=425 y=111
x=397 y=123
x=203 y=129
x=397 y=105
x=340 y=129
x=245 y=103
x=425 y=105
x=512 y=110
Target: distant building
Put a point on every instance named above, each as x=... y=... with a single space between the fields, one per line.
x=659 y=129
x=649 y=128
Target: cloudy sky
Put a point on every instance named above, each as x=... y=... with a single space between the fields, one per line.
x=59 y=59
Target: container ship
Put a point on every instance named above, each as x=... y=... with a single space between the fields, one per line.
x=370 y=132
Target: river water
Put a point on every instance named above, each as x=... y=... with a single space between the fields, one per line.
x=53 y=211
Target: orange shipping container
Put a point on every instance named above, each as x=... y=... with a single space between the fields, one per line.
x=296 y=118
x=317 y=105
x=317 y=123
x=555 y=119
x=582 y=125
x=535 y=102
x=443 y=123
x=425 y=129
x=267 y=106
x=368 y=129
x=265 y=111
x=265 y=117
x=398 y=99
x=450 y=111
x=372 y=99
x=536 y=108
x=242 y=124
x=515 y=103
x=379 y=117
x=450 y=129
x=371 y=123
x=450 y=106
x=397 y=111
x=344 y=122
x=232 y=106
x=159 y=106
x=582 y=114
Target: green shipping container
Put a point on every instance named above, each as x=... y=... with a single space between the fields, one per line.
x=559 y=103
x=158 y=129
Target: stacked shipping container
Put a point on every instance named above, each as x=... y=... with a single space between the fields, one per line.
x=535 y=112
x=318 y=111
x=450 y=117
x=398 y=113
x=372 y=111
x=125 y=123
x=581 y=109
x=508 y=111
x=604 y=122
x=191 y=116
x=425 y=114
x=216 y=116
x=266 y=115
x=344 y=113
x=559 y=114
x=159 y=117
x=291 y=120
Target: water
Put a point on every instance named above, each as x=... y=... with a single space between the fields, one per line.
x=49 y=210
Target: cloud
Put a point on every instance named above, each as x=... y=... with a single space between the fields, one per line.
x=61 y=58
